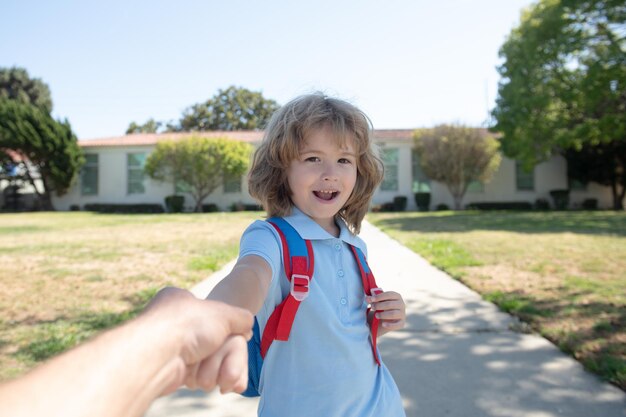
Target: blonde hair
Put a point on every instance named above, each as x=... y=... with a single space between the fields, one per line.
x=285 y=135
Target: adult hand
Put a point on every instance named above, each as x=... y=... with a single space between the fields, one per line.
x=211 y=338
x=177 y=339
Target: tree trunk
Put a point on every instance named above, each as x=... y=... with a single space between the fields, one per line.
x=457 y=201
x=44 y=199
x=199 y=200
x=618 y=197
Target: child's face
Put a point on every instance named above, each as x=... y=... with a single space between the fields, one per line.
x=323 y=177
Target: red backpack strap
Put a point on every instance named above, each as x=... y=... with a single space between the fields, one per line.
x=298 y=262
x=370 y=288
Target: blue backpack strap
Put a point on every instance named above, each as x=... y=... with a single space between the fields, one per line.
x=255 y=362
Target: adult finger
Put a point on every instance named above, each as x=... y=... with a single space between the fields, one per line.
x=191 y=377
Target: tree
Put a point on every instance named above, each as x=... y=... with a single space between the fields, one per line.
x=235 y=108
x=603 y=163
x=563 y=86
x=457 y=155
x=150 y=126
x=49 y=147
x=201 y=164
x=15 y=84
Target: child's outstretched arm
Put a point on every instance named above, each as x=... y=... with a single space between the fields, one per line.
x=390 y=309
x=247 y=284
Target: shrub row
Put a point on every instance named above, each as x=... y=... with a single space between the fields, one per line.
x=507 y=205
x=124 y=208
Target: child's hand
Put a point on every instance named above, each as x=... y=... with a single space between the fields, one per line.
x=225 y=368
x=389 y=308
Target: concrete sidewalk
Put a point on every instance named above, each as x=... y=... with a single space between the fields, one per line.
x=458 y=356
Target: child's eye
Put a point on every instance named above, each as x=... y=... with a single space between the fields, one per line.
x=345 y=161
x=312 y=159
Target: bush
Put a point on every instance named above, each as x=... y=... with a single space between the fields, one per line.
x=210 y=208
x=542 y=204
x=124 y=208
x=252 y=207
x=175 y=203
x=442 y=207
x=590 y=204
x=388 y=207
x=399 y=203
x=498 y=205
x=422 y=200
x=560 y=198
x=74 y=207
x=237 y=207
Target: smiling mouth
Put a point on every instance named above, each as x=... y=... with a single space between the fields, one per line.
x=326 y=195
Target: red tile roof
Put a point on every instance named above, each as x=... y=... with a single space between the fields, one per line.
x=148 y=139
x=15 y=156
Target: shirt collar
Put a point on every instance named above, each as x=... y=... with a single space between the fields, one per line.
x=310 y=230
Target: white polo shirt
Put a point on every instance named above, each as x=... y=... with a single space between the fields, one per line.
x=327 y=367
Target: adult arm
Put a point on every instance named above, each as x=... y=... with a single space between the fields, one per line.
x=177 y=339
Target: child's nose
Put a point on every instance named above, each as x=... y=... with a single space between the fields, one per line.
x=330 y=173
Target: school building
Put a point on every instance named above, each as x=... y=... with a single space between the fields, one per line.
x=113 y=174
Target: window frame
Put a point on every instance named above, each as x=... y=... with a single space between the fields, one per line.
x=135 y=169
x=90 y=166
x=390 y=168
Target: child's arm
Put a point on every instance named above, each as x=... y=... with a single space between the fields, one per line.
x=390 y=309
x=247 y=284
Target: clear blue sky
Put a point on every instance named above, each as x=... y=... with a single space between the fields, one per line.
x=406 y=63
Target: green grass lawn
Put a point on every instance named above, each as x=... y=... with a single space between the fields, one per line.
x=564 y=273
x=65 y=276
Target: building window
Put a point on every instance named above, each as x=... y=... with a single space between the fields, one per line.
x=525 y=180
x=476 y=187
x=136 y=162
x=421 y=183
x=232 y=184
x=89 y=175
x=390 y=160
x=575 y=185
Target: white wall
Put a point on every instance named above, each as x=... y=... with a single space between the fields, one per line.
x=113 y=185
x=549 y=175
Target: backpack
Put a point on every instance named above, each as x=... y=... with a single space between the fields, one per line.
x=298 y=262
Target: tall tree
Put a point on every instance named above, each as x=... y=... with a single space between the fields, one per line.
x=457 y=155
x=201 y=164
x=150 y=126
x=234 y=108
x=49 y=146
x=563 y=86
x=602 y=163
x=16 y=84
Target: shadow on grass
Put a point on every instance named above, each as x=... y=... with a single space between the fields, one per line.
x=51 y=337
x=581 y=222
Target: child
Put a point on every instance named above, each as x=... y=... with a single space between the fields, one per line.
x=316 y=169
